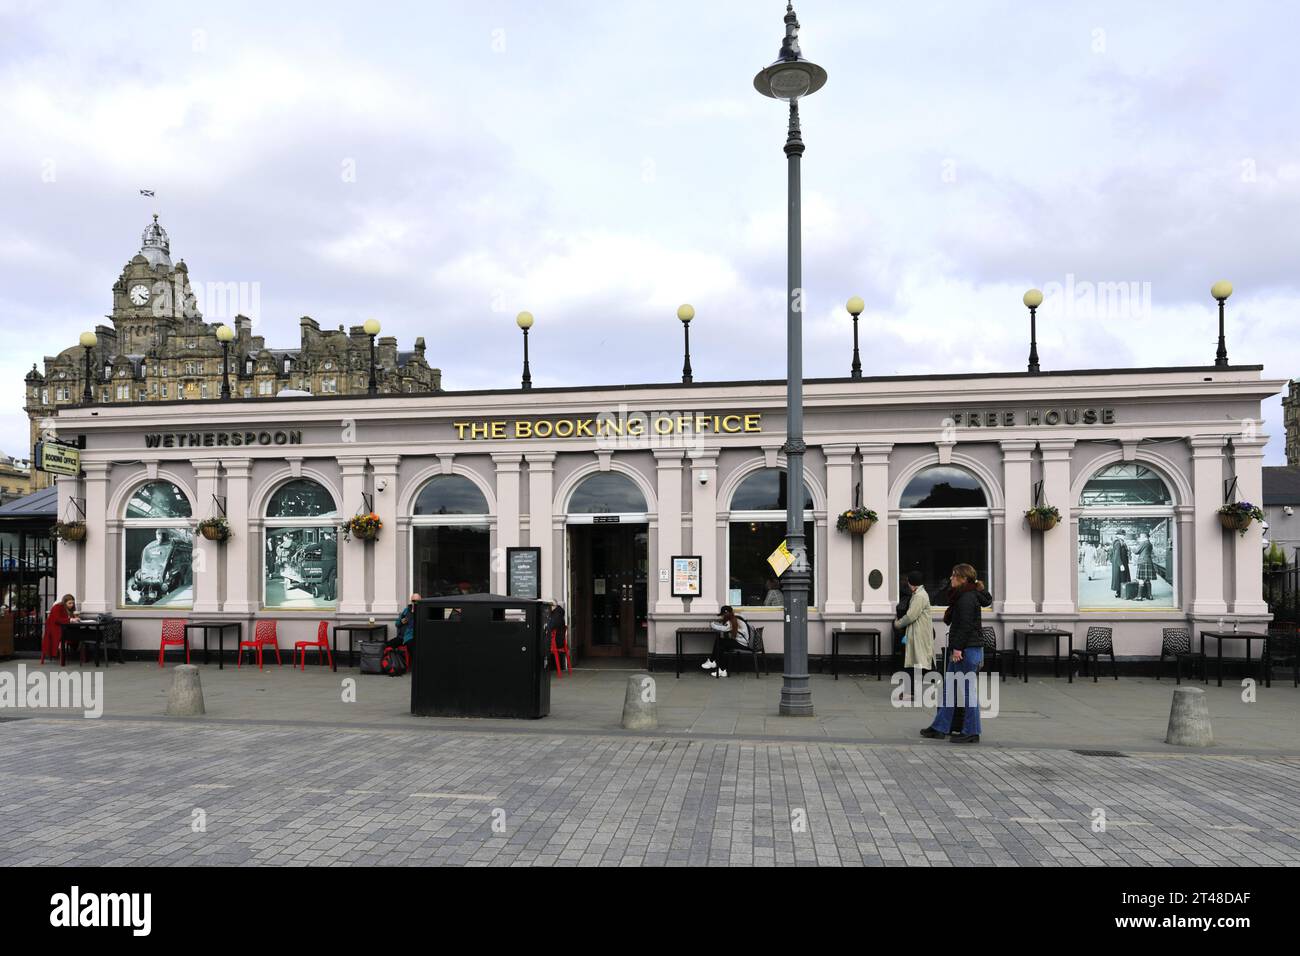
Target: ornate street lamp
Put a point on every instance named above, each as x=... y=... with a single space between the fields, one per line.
x=525 y=321
x=1032 y=300
x=686 y=313
x=855 y=306
x=1221 y=290
x=88 y=340
x=225 y=335
x=372 y=329
x=789 y=78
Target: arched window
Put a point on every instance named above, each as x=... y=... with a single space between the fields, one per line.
x=157 y=548
x=943 y=521
x=756 y=527
x=607 y=492
x=300 y=555
x=451 y=550
x=1126 y=540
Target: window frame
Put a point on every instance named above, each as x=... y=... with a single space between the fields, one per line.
x=484 y=520
x=183 y=523
x=974 y=513
x=270 y=524
x=1168 y=512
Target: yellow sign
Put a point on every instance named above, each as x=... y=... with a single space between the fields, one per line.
x=58 y=459
x=780 y=559
x=631 y=425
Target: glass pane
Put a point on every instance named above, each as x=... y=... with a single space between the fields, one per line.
x=301 y=498
x=944 y=487
x=302 y=567
x=934 y=547
x=1125 y=484
x=450 y=495
x=159 y=500
x=607 y=493
x=158 y=569
x=749 y=544
x=455 y=559
x=765 y=491
x=1126 y=562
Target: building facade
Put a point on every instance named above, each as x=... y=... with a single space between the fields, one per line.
x=159 y=349
x=1291 y=422
x=618 y=486
x=15 y=478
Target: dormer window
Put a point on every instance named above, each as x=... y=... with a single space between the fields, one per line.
x=288 y=365
x=248 y=367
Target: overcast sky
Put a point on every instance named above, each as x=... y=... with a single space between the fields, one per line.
x=441 y=166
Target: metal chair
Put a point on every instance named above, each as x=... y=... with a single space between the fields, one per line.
x=1176 y=642
x=1282 y=646
x=1099 y=641
x=994 y=657
x=754 y=650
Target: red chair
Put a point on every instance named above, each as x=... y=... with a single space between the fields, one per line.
x=557 y=651
x=264 y=635
x=321 y=645
x=173 y=635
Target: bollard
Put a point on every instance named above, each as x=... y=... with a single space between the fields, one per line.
x=1189 y=719
x=640 y=710
x=185 y=697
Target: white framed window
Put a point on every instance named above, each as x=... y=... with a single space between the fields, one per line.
x=756 y=526
x=189 y=368
x=123 y=392
x=164 y=389
x=450 y=539
x=248 y=391
x=157 y=548
x=944 y=520
x=1127 y=541
x=300 y=553
x=329 y=385
x=45 y=396
x=264 y=388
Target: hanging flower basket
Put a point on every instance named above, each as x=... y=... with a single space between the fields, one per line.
x=363 y=526
x=856 y=520
x=69 y=530
x=215 y=529
x=1237 y=516
x=1043 y=518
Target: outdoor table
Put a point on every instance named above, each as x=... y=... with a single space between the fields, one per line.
x=99 y=633
x=1222 y=636
x=1056 y=634
x=353 y=630
x=683 y=631
x=220 y=627
x=871 y=632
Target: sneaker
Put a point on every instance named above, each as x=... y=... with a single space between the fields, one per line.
x=708 y=665
x=964 y=739
x=932 y=734
x=721 y=673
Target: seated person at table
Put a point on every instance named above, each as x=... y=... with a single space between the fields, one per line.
x=733 y=634
x=405 y=626
x=555 y=624
x=65 y=612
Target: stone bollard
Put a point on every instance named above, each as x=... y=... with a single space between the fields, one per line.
x=640 y=710
x=1189 y=719
x=185 y=697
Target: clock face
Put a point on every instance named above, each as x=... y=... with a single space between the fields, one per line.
x=139 y=294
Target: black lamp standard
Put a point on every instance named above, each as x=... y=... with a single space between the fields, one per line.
x=224 y=335
x=855 y=306
x=789 y=78
x=1032 y=300
x=88 y=340
x=525 y=321
x=372 y=329
x=1221 y=290
x=686 y=313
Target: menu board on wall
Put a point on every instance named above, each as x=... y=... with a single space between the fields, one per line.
x=524 y=573
x=686 y=575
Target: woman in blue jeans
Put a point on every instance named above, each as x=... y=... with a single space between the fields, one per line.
x=966 y=650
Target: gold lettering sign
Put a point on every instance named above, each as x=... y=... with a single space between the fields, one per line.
x=632 y=425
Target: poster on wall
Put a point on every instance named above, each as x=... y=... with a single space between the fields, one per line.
x=524 y=573
x=1126 y=563
x=158 y=567
x=302 y=567
x=686 y=572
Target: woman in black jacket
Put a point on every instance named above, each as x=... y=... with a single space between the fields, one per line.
x=966 y=651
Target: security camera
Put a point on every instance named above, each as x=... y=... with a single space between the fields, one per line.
x=1288 y=511
x=381 y=485
x=704 y=477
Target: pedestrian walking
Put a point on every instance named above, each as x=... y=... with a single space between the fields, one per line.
x=966 y=653
x=919 y=632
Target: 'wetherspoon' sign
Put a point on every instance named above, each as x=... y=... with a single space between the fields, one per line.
x=220 y=439
x=631 y=425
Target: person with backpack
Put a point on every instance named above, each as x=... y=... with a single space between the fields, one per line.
x=966 y=653
x=733 y=634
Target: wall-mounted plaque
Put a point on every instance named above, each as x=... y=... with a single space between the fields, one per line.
x=686 y=575
x=524 y=572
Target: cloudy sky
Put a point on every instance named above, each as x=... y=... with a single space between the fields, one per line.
x=441 y=166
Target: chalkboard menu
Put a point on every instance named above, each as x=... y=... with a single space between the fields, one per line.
x=524 y=572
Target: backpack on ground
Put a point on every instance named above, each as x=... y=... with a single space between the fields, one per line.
x=394 y=662
x=372 y=656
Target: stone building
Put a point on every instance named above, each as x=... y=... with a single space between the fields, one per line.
x=1291 y=422
x=159 y=348
x=15 y=478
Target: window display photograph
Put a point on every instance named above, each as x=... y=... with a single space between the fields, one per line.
x=1126 y=562
x=159 y=567
x=301 y=567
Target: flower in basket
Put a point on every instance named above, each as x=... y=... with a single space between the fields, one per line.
x=364 y=526
x=1240 y=514
x=215 y=529
x=69 y=530
x=855 y=516
x=1046 y=514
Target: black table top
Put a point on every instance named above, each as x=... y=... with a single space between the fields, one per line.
x=1045 y=631
x=360 y=627
x=212 y=623
x=1253 y=635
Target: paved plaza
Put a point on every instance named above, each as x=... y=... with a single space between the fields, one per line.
x=282 y=771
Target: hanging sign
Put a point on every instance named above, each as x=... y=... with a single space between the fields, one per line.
x=58 y=459
x=780 y=559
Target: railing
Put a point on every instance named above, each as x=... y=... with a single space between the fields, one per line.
x=1282 y=593
x=27 y=586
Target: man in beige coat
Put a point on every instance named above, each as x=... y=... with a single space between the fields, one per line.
x=920 y=629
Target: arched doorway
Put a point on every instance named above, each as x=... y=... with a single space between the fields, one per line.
x=608 y=549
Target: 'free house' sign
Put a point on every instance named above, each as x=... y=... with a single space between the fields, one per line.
x=992 y=418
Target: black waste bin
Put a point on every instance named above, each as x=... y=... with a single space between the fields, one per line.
x=480 y=655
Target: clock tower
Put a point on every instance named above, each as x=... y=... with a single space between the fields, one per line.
x=152 y=297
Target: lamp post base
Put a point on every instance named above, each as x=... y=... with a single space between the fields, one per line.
x=796 y=704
